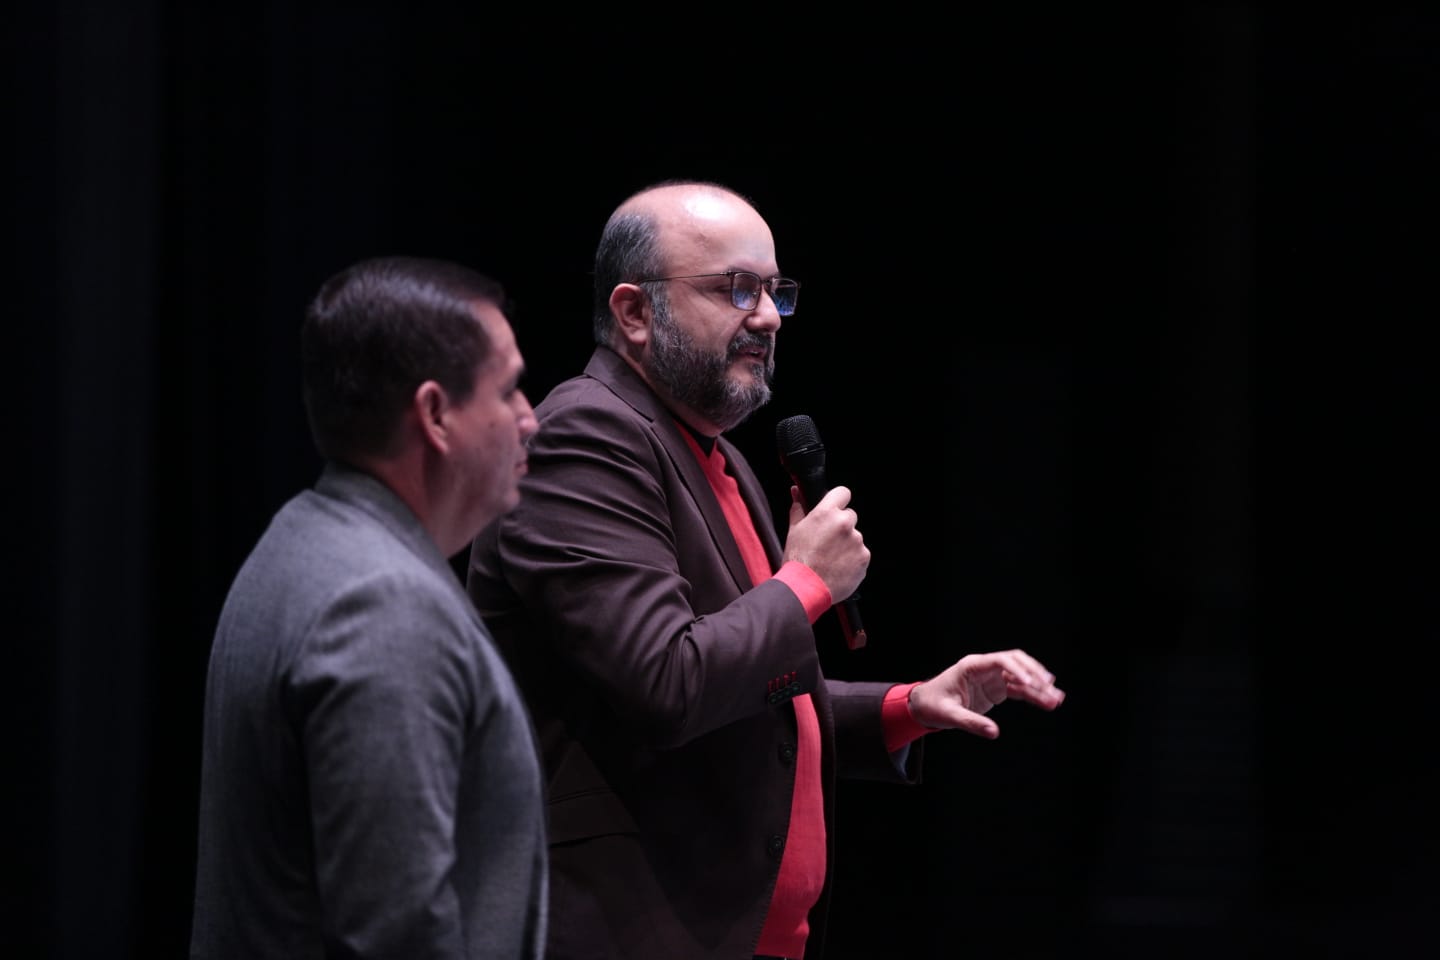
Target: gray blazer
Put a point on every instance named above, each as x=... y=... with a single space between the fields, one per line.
x=659 y=678
x=370 y=785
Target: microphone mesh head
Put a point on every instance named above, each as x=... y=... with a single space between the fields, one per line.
x=796 y=433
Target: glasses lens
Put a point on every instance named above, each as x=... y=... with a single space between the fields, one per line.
x=785 y=293
x=745 y=290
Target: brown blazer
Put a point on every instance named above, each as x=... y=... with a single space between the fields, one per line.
x=651 y=666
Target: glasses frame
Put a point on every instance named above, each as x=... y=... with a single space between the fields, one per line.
x=766 y=284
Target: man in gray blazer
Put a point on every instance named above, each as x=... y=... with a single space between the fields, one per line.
x=662 y=635
x=370 y=785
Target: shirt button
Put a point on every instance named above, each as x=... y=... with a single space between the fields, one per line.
x=787 y=753
x=776 y=845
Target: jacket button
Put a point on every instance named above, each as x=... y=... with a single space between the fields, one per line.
x=787 y=753
x=776 y=846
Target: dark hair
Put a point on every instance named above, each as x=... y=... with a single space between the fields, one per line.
x=374 y=333
x=629 y=249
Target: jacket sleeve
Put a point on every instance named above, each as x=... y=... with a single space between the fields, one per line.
x=860 y=736
x=611 y=551
x=379 y=701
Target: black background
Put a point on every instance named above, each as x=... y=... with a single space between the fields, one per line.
x=1115 y=322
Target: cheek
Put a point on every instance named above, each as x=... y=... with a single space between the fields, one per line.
x=504 y=426
x=725 y=337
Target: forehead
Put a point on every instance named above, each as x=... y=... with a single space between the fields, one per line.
x=709 y=230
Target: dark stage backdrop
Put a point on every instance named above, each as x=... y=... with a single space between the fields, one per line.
x=1111 y=321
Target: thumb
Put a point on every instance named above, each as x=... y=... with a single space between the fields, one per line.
x=797 y=510
x=948 y=712
x=956 y=717
x=979 y=725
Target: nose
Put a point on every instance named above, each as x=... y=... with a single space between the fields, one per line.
x=765 y=317
x=525 y=416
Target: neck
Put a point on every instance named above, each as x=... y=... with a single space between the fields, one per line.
x=421 y=487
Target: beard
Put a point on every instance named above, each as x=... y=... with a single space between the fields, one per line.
x=701 y=379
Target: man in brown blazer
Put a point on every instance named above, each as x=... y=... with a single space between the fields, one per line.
x=662 y=635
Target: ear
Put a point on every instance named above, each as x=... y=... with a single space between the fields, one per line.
x=431 y=405
x=631 y=309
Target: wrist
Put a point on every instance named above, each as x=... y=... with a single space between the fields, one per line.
x=898 y=718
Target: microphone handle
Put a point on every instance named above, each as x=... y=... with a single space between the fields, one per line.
x=848 y=610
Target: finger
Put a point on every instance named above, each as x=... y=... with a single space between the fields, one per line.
x=1045 y=695
x=1026 y=668
x=1035 y=667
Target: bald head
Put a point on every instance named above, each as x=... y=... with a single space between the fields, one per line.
x=687 y=209
x=655 y=226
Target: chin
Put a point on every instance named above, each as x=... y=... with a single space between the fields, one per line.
x=750 y=375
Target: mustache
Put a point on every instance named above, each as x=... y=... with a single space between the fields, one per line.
x=752 y=341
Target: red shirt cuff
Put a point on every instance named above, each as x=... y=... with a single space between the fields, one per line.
x=899 y=725
x=808 y=586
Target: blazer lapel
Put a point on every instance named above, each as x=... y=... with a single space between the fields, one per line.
x=607 y=367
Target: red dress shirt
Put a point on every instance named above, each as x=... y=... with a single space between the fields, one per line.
x=802 y=866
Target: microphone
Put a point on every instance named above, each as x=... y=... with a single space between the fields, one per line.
x=803 y=457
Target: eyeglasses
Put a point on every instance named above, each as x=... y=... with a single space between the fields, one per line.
x=745 y=289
